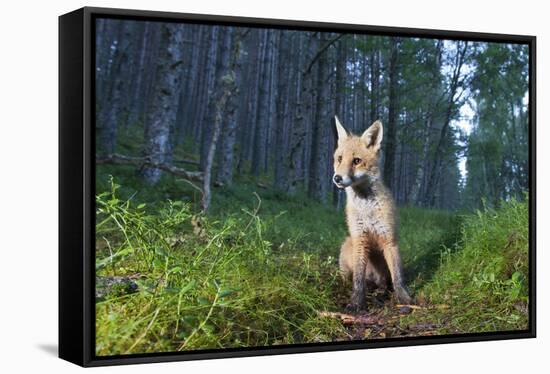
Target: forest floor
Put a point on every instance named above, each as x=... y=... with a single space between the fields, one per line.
x=261 y=269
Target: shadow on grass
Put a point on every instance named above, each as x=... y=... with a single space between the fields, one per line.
x=424 y=235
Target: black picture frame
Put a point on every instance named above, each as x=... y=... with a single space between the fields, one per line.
x=77 y=181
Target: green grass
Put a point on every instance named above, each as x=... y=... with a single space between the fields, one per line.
x=261 y=266
x=482 y=281
x=423 y=235
x=211 y=283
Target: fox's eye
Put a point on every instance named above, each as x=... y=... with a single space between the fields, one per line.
x=339 y=159
x=356 y=161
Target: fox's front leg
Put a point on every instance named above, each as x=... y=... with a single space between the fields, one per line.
x=346 y=260
x=393 y=260
x=359 y=277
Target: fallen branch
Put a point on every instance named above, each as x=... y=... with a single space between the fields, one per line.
x=116 y=159
x=192 y=185
x=349 y=319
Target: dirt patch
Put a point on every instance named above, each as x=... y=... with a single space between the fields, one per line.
x=386 y=320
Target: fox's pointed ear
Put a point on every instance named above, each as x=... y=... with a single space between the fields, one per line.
x=373 y=135
x=342 y=133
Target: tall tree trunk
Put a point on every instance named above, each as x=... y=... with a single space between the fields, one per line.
x=244 y=100
x=206 y=115
x=280 y=164
x=113 y=103
x=339 y=101
x=200 y=86
x=227 y=87
x=390 y=129
x=149 y=77
x=259 y=155
x=106 y=47
x=135 y=35
x=415 y=193
x=364 y=86
x=271 y=129
x=318 y=186
x=355 y=84
x=102 y=49
x=301 y=113
x=435 y=172
x=189 y=75
x=135 y=110
x=249 y=116
x=225 y=168
x=375 y=81
x=162 y=114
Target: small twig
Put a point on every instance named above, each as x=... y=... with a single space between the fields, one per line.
x=255 y=213
x=416 y=307
x=349 y=319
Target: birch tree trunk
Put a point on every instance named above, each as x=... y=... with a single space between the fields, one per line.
x=224 y=175
x=206 y=114
x=162 y=112
x=227 y=87
x=318 y=187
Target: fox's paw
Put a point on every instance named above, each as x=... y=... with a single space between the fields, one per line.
x=402 y=296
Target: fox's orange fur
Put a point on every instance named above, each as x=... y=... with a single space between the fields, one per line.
x=370 y=254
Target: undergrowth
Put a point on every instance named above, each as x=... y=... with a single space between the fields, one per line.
x=205 y=283
x=482 y=281
x=261 y=266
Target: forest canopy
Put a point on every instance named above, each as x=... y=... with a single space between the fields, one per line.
x=216 y=103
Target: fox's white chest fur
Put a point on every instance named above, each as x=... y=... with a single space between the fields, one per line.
x=366 y=214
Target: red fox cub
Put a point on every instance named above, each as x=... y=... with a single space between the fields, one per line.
x=369 y=255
